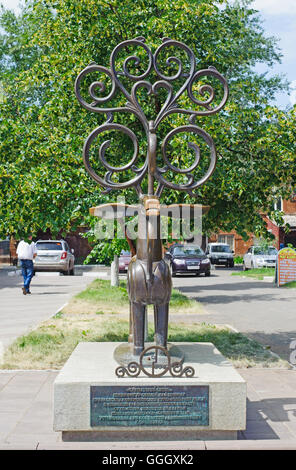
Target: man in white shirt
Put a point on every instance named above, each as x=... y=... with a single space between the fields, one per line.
x=26 y=252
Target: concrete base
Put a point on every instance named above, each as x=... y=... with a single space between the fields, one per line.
x=92 y=364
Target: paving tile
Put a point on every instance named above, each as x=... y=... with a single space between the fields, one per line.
x=19 y=446
x=32 y=438
x=251 y=445
x=13 y=405
x=8 y=421
x=163 y=445
x=34 y=426
x=291 y=426
x=4 y=380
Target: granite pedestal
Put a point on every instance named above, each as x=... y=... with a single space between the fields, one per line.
x=92 y=404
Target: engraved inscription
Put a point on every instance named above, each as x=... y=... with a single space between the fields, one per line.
x=149 y=406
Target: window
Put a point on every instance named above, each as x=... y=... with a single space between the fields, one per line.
x=228 y=239
x=50 y=246
x=278 y=205
x=188 y=251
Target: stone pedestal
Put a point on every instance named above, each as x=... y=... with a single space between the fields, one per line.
x=91 y=403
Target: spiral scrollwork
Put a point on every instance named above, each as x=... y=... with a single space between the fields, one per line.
x=137 y=67
x=191 y=184
x=151 y=366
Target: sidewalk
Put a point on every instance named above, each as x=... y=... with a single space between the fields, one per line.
x=26 y=415
x=20 y=313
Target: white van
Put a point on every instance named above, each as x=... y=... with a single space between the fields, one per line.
x=220 y=253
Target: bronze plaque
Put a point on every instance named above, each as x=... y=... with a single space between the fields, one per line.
x=158 y=405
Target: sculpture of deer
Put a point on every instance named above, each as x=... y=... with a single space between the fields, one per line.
x=149 y=279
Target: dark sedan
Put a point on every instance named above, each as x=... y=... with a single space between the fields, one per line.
x=185 y=259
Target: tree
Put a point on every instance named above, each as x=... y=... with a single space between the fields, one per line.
x=42 y=126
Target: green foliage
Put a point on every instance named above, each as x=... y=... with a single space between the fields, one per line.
x=42 y=127
x=238 y=259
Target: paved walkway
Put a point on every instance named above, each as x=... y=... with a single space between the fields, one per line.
x=26 y=408
x=26 y=414
x=19 y=313
x=258 y=308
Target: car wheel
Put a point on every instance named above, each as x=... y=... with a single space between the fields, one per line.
x=67 y=272
x=197 y=274
x=72 y=271
x=244 y=267
x=208 y=273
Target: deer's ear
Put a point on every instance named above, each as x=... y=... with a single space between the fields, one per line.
x=114 y=210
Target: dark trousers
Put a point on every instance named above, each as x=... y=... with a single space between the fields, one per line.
x=27 y=272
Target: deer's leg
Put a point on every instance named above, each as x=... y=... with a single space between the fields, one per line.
x=161 y=314
x=138 y=311
x=131 y=328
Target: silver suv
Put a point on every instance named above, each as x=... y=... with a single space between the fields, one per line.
x=54 y=255
x=220 y=253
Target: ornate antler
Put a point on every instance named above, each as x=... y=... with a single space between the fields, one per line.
x=150 y=127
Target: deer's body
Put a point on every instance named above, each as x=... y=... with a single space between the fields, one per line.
x=149 y=282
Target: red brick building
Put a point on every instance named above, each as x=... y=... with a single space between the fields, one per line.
x=240 y=247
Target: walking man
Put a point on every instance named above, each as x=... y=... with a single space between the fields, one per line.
x=26 y=252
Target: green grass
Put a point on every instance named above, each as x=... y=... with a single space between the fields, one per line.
x=290 y=285
x=101 y=290
x=99 y=298
x=50 y=345
x=259 y=273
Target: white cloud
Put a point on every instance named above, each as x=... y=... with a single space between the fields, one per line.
x=12 y=4
x=276 y=7
x=293 y=92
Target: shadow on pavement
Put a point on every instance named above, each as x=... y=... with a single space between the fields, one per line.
x=226 y=299
x=235 y=286
x=279 y=341
x=262 y=414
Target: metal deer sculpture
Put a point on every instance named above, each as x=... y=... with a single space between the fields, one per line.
x=149 y=278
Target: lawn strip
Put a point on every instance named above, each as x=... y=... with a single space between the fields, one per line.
x=259 y=273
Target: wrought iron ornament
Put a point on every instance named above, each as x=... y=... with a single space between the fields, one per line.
x=149 y=278
x=153 y=367
x=169 y=107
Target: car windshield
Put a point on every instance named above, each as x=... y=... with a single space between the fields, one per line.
x=187 y=251
x=49 y=246
x=270 y=250
x=220 y=249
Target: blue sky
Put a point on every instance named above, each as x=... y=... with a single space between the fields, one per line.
x=280 y=21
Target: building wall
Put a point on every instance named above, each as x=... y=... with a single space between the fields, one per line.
x=240 y=246
x=289 y=207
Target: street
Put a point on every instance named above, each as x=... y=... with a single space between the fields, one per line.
x=258 y=308
x=20 y=313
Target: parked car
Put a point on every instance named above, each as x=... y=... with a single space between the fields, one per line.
x=124 y=261
x=220 y=253
x=188 y=259
x=260 y=257
x=54 y=255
